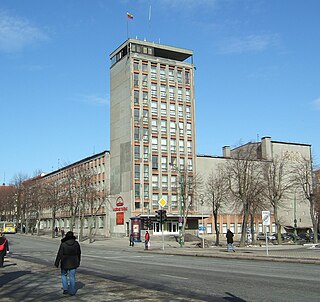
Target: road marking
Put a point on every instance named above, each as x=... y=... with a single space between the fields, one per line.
x=172 y=276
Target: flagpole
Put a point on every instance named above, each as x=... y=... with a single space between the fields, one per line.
x=127 y=28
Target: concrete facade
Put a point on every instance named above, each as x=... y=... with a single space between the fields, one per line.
x=152 y=126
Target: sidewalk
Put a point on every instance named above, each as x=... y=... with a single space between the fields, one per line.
x=307 y=253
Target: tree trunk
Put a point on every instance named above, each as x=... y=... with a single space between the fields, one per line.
x=277 y=222
x=244 y=226
x=314 y=220
x=215 y=216
x=252 y=228
x=53 y=223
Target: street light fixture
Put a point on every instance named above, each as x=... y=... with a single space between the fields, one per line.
x=181 y=198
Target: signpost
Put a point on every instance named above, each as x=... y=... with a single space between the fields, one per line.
x=265 y=223
x=162 y=202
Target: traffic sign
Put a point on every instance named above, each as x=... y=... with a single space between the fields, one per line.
x=202 y=228
x=162 y=202
x=266 y=217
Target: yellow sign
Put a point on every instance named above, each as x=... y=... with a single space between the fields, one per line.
x=162 y=202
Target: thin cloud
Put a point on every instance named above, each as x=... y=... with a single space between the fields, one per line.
x=17 y=33
x=316 y=104
x=95 y=100
x=187 y=4
x=250 y=43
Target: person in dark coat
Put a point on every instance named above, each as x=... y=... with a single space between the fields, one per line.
x=4 y=248
x=69 y=256
x=131 y=240
x=229 y=236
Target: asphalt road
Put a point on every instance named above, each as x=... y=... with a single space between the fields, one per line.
x=207 y=279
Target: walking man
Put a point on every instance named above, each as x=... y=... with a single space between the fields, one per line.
x=69 y=256
x=229 y=236
x=4 y=248
x=131 y=240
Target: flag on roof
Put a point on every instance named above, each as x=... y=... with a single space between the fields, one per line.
x=130 y=16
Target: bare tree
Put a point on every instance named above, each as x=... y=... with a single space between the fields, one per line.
x=216 y=195
x=304 y=177
x=190 y=186
x=245 y=182
x=20 y=202
x=276 y=175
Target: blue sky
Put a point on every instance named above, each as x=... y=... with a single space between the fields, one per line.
x=257 y=73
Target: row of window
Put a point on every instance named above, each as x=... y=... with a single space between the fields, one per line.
x=163 y=72
x=239 y=228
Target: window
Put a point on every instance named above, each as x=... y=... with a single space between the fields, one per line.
x=137 y=190
x=136 y=80
x=164 y=163
x=145 y=97
x=189 y=147
x=171 y=93
x=145 y=153
x=136 y=171
x=163 y=109
x=171 y=75
x=146 y=172
x=163 y=91
x=154 y=162
x=155 y=182
x=162 y=73
x=187 y=77
x=179 y=76
x=190 y=166
x=136 y=134
x=136 y=97
x=239 y=228
x=188 y=112
x=154 y=144
x=181 y=146
x=181 y=129
x=180 y=94
x=153 y=90
x=136 y=116
x=189 y=129
x=144 y=80
x=224 y=228
x=174 y=201
x=209 y=228
x=188 y=95
x=153 y=72
x=172 y=110
x=136 y=152
x=144 y=67
x=136 y=65
x=173 y=146
x=172 y=128
x=154 y=107
x=164 y=147
x=145 y=134
x=182 y=163
x=165 y=182
x=163 y=126
x=155 y=200
x=145 y=114
x=146 y=191
x=154 y=126
x=174 y=183
x=232 y=227
x=180 y=111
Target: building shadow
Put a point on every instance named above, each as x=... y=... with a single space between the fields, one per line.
x=233 y=298
x=7 y=277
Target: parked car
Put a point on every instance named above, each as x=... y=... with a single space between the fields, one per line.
x=262 y=236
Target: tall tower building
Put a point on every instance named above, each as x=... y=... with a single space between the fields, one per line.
x=152 y=130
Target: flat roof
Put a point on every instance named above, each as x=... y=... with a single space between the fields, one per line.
x=160 y=50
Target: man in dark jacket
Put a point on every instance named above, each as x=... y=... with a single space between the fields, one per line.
x=230 y=240
x=69 y=255
x=4 y=248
